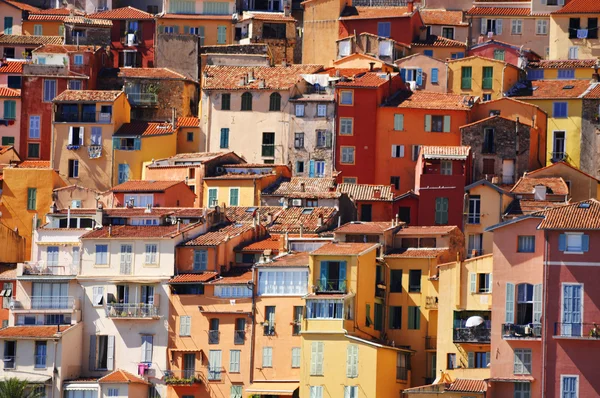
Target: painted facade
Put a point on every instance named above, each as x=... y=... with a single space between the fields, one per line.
x=574 y=17
x=434 y=72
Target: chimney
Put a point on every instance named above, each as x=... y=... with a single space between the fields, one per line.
x=410 y=6
x=595 y=78
x=302 y=187
x=539 y=192
x=98 y=215
x=320 y=220
x=261 y=83
x=269 y=218
x=178 y=225
x=242 y=81
x=371 y=66
x=173 y=118
x=284 y=63
x=377 y=193
x=110 y=230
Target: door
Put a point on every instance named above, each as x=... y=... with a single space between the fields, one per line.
x=558 y=146
x=404 y=214
x=126 y=256
x=52 y=256
x=123 y=173
x=508 y=171
x=571 y=310
x=366 y=212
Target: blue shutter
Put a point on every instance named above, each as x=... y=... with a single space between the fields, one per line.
x=403 y=74
x=428 y=53
x=343 y=272
x=419 y=77
x=562 y=242
x=137 y=144
x=434 y=75
x=224 y=138
x=116 y=143
x=585 y=242
x=324 y=273
x=311 y=168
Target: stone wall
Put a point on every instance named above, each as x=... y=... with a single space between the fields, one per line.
x=171 y=94
x=93 y=36
x=590 y=128
x=179 y=53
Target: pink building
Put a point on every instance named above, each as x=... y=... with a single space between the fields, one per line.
x=513 y=54
x=10 y=102
x=152 y=193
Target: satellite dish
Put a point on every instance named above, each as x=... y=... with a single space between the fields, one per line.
x=474 y=321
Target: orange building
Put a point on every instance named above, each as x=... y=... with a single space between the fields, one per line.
x=136 y=193
x=49 y=22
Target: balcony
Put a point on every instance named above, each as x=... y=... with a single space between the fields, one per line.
x=431 y=302
x=82 y=117
x=43 y=269
x=9 y=361
x=472 y=335
x=558 y=156
x=577 y=331
x=239 y=337
x=519 y=332
x=182 y=377
x=43 y=303
x=268 y=329
x=430 y=342
x=142 y=99
x=132 y=311
x=331 y=286
x=213 y=337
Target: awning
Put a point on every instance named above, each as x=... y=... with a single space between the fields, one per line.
x=526 y=379
x=36 y=379
x=273 y=388
x=81 y=387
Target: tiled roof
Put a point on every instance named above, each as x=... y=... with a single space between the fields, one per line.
x=11 y=67
x=30 y=40
x=426 y=230
x=346 y=248
x=430 y=100
x=292 y=218
x=5 y=148
x=361 y=192
x=493 y=117
x=150 y=73
x=366 y=80
x=125 y=212
x=8 y=272
x=267 y=16
x=502 y=11
x=22 y=6
x=363 y=227
x=135 y=231
x=343 y=72
x=144 y=186
x=53 y=14
x=554 y=185
x=201 y=157
x=468 y=385
x=288 y=260
x=594 y=93
x=437 y=41
x=193 y=278
x=562 y=63
x=122 y=13
x=350 y=12
x=445 y=152
x=85 y=21
x=246 y=214
x=565 y=164
x=65 y=49
x=418 y=253
x=580 y=7
x=34 y=164
x=442 y=17
x=196 y=17
x=555 y=89
x=221 y=77
x=295 y=184
x=522 y=207
x=218 y=235
x=188 y=122
x=273 y=243
x=46 y=17
x=9 y=92
x=87 y=96
x=144 y=129
x=120 y=376
x=576 y=216
x=40 y=332
x=237 y=277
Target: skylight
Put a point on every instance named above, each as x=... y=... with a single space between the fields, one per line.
x=308 y=210
x=250 y=209
x=569 y=87
x=584 y=206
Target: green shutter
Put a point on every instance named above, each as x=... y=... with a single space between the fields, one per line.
x=399 y=122
x=31 y=199
x=428 y=123
x=221 y=34
x=509 y=306
x=488 y=77
x=466 y=75
x=447 y=120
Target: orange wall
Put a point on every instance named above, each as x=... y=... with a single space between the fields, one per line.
x=179 y=173
x=179 y=195
x=49 y=28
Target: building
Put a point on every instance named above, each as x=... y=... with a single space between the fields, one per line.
x=77 y=197
x=513 y=54
x=81 y=30
x=439 y=47
x=10 y=123
x=533 y=195
x=131 y=36
x=84 y=122
x=383 y=49
x=574 y=31
x=20 y=47
x=276 y=30
x=445 y=23
x=14 y=13
x=434 y=75
x=8 y=271
x=563 y=69
x=582 y=186
x=235 y=96
x=189 y=139
x=152 y=193
x=50 y=22
x=372 y=202
x=589 y=160
x=321 y=27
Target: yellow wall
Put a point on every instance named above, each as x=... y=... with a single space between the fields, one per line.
x=580 y=73
x=505 y=76
x=49 y=28
x=559 y=37
x=247 y=193
x=583 y=187
x=321 y=30
x=210 y=28
x=185 y=146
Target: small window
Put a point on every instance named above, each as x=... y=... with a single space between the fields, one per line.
x=298 y=140
x=414 y=318
x=485 y=283
x=31 y=198
x=347 y=155
x=78 y=59
x=247 y=101
x=101 y=254
x=346 y=97
x=346 y=126
x=395 y=317
x=274 y=102
x=299 y=166
x=448 y=32
x=190 y=136
x=395 y=182
x=467 y=74
x=384 y=29
x=38 y=30
x=396 y=281
x=225 y=102
x=526 y=244
x=522 y=362
x=446 y=167
x=224 y=141
x=33 y=150
x=560 y=110
x=321 y=110
x=499 y=55
x=73 y=168
x=299 y=110
x=414 y=281
x=566 y=74
x=428 y=53
x=451 y=361
x=398 y=122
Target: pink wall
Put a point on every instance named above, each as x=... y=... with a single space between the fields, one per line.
x=14 y=129
x=179 y=195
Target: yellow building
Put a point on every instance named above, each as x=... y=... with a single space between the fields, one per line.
x=439 y=47
x=574 y=31
x=344 y=319
x=486 y=205
x=482 y=77
x=189 y=137
x=321 y=26
x=552 y=69
x=582 y=186
x=138 y=143
x=84 y=122
x=463 y=351
x=241 y=184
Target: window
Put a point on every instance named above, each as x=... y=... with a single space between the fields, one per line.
x=212 y=197
x=349 y=180
x=474 y=245
x=151 y=250
x=384 y=29
x=200 y=260
x=9 y=52
x=234 y=361
x=31 y=198
x=574 y=26
x=234 y=196
x=123 y=173
x=185 y=325
x=346 y=97
x=325 y=309
x=316 y=358
x=267 y=357
x=566 y=74
x=323 y=139
x=113 y=392
x=414 y=281
x=273 y=31
x=49 y=90
x=522 y=390
x=170 y=29
x=414 y=318
x=478 y=360
x=573 y=242
x=522 y=362
x=451 y=361
x=8 y=25
x=569 y=386
x=225 y=101
x=299 y=166
x=147 y=343
x=299 y=110
x=526 y=244
x=316 y=391
x=352 y=361
x=402 y=366
x=346 y=126
x=247 y=101
x=489 y=167
x=574 y=52
x=103 y=346
x=488 y=77
x=560 y=110
x=97 y=296
x=535 y=74
x=485 y=283
x=592 y=28
x=73 y=168
x=10 y=354
x=189 y=366
x=541 y=27
x=396 y=281
x=350 y=391
x=558 y=146
x=13 y=81
x=398 y=122
x=441 y=211
x=268 y=145
x=395 y=317
x=347 y=155
x=296 y=353
x=221 y=34
x=321 y=110
x=474 y=215
x=493 y=26
x=466 y=76
x=78 y=33
x=275 y=102
x=446 y=167
x=448 y=32
x=298 y=140
x=395 y=182
x=397 y=151
x=269 y=326
x=437 y=123
x=78 y=59
x=499 y=55
x=40 y=354
x=190 y=136
x=214 y=365
x=516 y=27
x=224 y=141
x=34 y=127
x=10 y=110
x=434 y=75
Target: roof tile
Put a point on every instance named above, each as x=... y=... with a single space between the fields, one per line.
x=144 y=186
x=426 y=230
x=351 y=13
x=503 y=11
x=9 y=92
x=188 y=122
x=235 y=277
x=288 y=260
x=138 y=232
x=81 y=20
x=430 y=100
x=144 y=129
x=239 y=214
x=218 y=235
x=193 y=278
x=345 y=248
x=293 y=218
x=362 y=227
x=87 y=95
x=366 y=80
x=273 y=243
x=267 y=16
x=555 y=89
x=523 y=207
x=445 y=152
x=442 y=17
x=122 y=13
x=11 y=66
x=468 y=385
x=554 y=185
x=22 y=6
x=418 y=253
x=580 y=7
x=576 y=216
x=562 y=63
x=301 y=184
x=222 y=77
x=120 y=376
x=30 y=40
x=150 y=73
x=65 y=49
x=361 y=192
x=32 y=331
x=34 y=164
x=438 y=41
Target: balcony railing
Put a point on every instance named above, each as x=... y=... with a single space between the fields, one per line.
x=431 y=302
x=401 y=373
x=9 y=361
x=213 y=337
x=40 y=361
x=85 y=117
x=587 y=331
x=331 y=285
x=130 y=311
x=142 y=99
x=239 y=337
x=44 y=303
x=529 y=331
x=41 y=268
x=472 y=335
x=214 y=372
x=430 y=342
x=182 y=377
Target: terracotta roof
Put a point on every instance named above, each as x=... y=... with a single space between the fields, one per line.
x=87 y=96
x=430 y=100
x=594 y=93
x=120 y=376
x=218 y=235
x=34 y=164
x=365 y=80
x=554 y=185
x=294 y=185
x=5 y=148
x=53 y=14
x=562 y=163
x=246 y=214
x=557 y=89
x=363 y=227
x=290 y=219
x=193 y=278
x=561 y=63
x=8 y=272
x=196 y=17
x=139 y=232
x=221 y=77
x=445 y=152
x=237 y=277
x=523 y=207
x=426 y=230
x=345 y=248
x=11 y=67
x=503 y=11
x=580 y=7
x=122 y=13
x=85 y=21
x=144 y=129
x=418 y=252
x=9 y=92
x=360 y=192
x=188 y=122
x=22 y=6
x=40 y=332
x=288 y=260
x=273 y=243
x=576 y=216
x=30 y=40
x=65 y=49
x=350 y=12
x=490 y=118
x=468 y=385
x=144 y=186
x=46 y=17
x=150 y=73
x=437 y=41
x=343 y=72
x=125 y=212
x=442 y=17
x=267 y=16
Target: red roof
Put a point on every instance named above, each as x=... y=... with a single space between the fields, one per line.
x=594 y=93
x=443 y=152
x=193 y=278
x=120 y=376
x=22 y=6
x=88 y=95
x=502 y=11
x=40 y=332
x=123 y=13
x=351 y=13
x=236 y=277
x=292 y=218
x=430 y=100
x=288 y=260
x=344 y=72
x=11 y=67
x=366 y=192
x=144 y=186
x=468 y=385
x=580 y=7
x=437 y=41
x=272 y=243
x=138 y=232
x=426 y=230
x=222 y=77
x=520 y=207
x=346 y=248
x=576 y=216
x=29 y=40
x=150 y=73
x=362 y=227
x=196 y=16
x=144 y=129
x=219 y=235
x=247 y=214
x=562 y=63
x=81 y=20
x=555 y=89
x=442 y=17
x=555 y=185
x=418 y=253
x=9 y=92
x=302 y=184
x=188 y=122
x=65 y=49
x=366 y=80
x=34 y=164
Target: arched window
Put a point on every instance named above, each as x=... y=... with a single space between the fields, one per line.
x=275 y=102
x=247 y=101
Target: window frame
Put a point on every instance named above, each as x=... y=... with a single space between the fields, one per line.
x=349 y=149
x=344 y=102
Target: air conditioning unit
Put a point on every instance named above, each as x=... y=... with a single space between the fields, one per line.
x=131 y=39
x=297 y=202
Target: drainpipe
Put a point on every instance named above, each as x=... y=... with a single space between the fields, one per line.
x=54 y=370
x=544 y=318
x=252 y=329
x=502 y=93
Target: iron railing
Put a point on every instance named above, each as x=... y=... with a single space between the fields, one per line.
x=577 y=330
x=134 y=310
x=142 y=98
x=472 y=335
x=213 y=337
x=331 y=285
x=182 y=377
x=42 y=268
x=530 y=330
x=430 y=342
x=43 y=303
x=83 y=117
x=9 y=361
x=239 y=337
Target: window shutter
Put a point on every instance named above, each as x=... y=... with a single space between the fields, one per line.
x=148 y=350
x=491 y=277
x=471 y=358
x=561 y=2
x=70 y=135
x=347 y=392
x=116 y=143
x=537 y=303
x=517 y=363
x=473 y=277
x=355 y=361
x=401 y=151
x=398 y=122
x=484 y=26
x=81 y=130
x=509 y=315
x=498 y=26
x=434 y=75
x=349 y=358
x=137 y=144
x=403 y=74
x=328 y=139
x=562 y=242
x=585 y=242
x=320 y=358
x=311 y=168
x=419 y=77
x=92 y=352
x=428 y=123
x=110 y=353
x=313 y=358
x=487 y=359
x=186 y=29
x=447 y=124
x=176 y=29
x=161 y=29
x=411 y=317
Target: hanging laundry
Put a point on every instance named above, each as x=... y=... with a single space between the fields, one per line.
x=95 y=151
x=582 y=33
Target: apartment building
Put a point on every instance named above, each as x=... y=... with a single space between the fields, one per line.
x=574 y=31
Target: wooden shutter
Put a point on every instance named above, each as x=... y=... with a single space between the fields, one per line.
x=517 y=363
x=398 y=122
x=81 y=131
x=92 y=363
x=585 y=242
x=473 y=278
x=562 y=242
x=434 y=75
x=428 y=123
x=320 y=347
x=491 y=276
x=498 y=26
x=509 y=311
x=147 y=343
x=314 y=349
x=70 y=135
x=471 y=359
x=419 y=77
x=110 y=353
x=484 y=26
x=447 y=124
x=537 y=303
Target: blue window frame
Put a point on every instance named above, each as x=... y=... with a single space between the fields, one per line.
x=535 y=74
x=428 y=53
x=200 y=260
x=434 y=75
x=566 y=74
x=123 y=173
x=560 y=110
x=458 y=55
x=78 y=59
x=384 y=29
